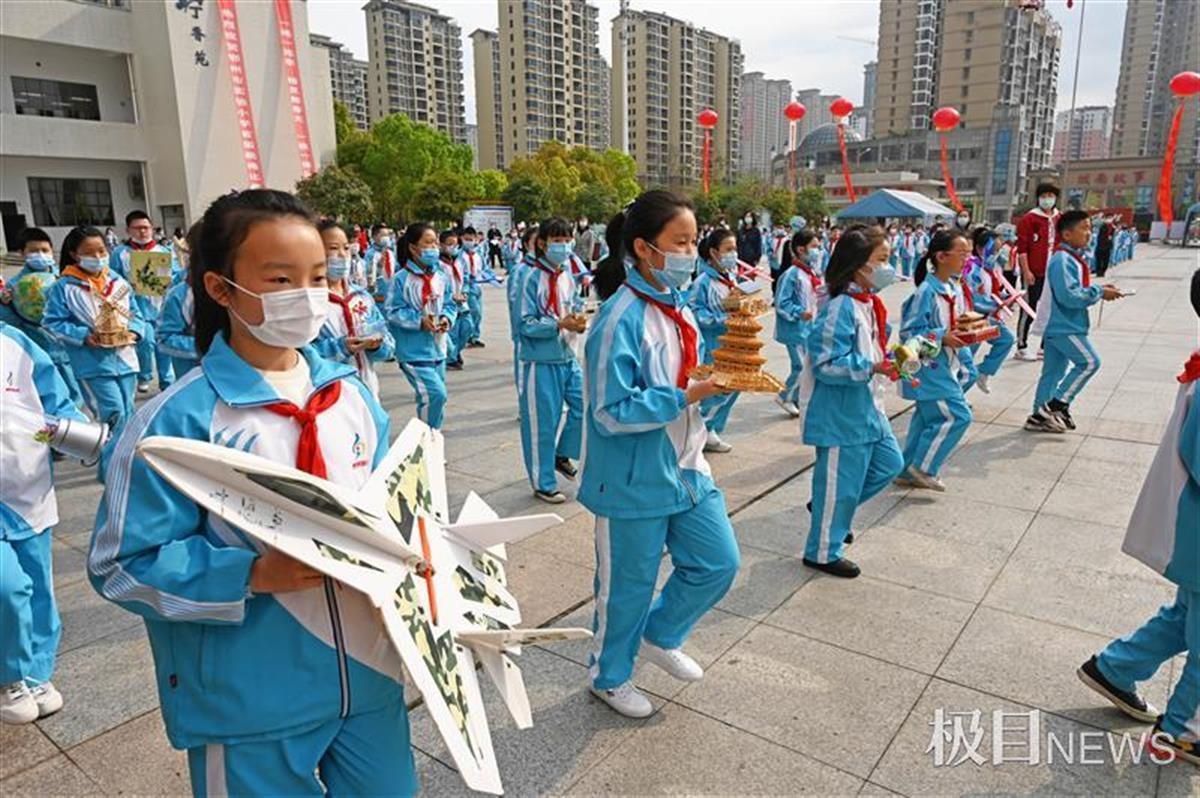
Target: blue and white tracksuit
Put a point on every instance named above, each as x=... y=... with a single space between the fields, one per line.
x=48 y=343
x=148 y=352
x=471 y=263
x=941 y=416
x=355 y=315
x=987 y=292
x=262 y=689
x=706 y=299
x=421 y=354
x=380 y=265
x=460 y=333
x=1062 y=316
x=108 y=376
x=512 y=291
x=177 y=330
x=964 y=302
x=857 y=453
x=795 y=295
x=29 y=623
x=908 y=253
x=1164 y=533
x=646 y=480
x=551 y=380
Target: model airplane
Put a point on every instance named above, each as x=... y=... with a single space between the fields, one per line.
x=440 y=586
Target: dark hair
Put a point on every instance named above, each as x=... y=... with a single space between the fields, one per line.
x=375 y=228
x=133 y=216
x=1069 y=219
x=224 y=227
x=802 y=239
x=469 y=231
x=447 y=234
x=72 y=242
x=712 y=241
x=1047 y=188
x=643 y=218
x=851 y=252
x=1196 y=291
x=330 y=224
x=31 y=234
x=192 y=240
x=527 y=237
x=941 y=241
x=981 y=238
x=412 y=237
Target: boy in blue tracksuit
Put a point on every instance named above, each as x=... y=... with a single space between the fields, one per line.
x=982 y=279
x=512 y=289
x=380 y=262
x=176 y=333
x=551 y=380
x=795 y=309
x=715 y=281
x=472 y=265
x=29 y=622
x=141 y=239
x=1062 y=319
x=460 y=333
x=420 y=311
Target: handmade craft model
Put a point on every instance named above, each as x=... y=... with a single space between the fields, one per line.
x=907 y=358
x=973 y=328
x=111 y=328
x=737 y=364
x=440 y=586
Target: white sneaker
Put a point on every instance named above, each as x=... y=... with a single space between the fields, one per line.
x=674 y=662
x=926 y=481
x=982 y=383
x=627 y=700
x=1023 y=354
x=715 y=444
x=47 y=698
x=17 y=704
x=143 y=387
x=788 y=407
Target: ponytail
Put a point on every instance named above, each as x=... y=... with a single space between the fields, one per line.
x=610 y=272
x=643 y=218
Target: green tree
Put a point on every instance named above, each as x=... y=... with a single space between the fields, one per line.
x=597 y=201
x=810 y=203
x=780 y=203
x=343 y=123
x=492 y=183
x=529 y=198
x=337 y=193
x=443 y=195
x=708 y=208
x=579 y=181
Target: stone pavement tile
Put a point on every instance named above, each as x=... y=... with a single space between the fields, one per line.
x=777 y=523
x=572 y=541
x=961 y=516
x=544 y=587
x=135 y=759
x=22 y=747
x=70 y=563
x=909 y=764
x=1097 y=501
x=1092 y=601
x=1108 y=450
x=104 y=684
x=1180 y=779
x=1138 y=431
x=764 y=581
x=689 y=754
x=516 y=498
x=87 y=617
x=898 y=624
x=869 y=788
x=57 y=776
x=944 y=567
x=999 y=449
x=833 y=705
x=1069 y=542
x=992 y=656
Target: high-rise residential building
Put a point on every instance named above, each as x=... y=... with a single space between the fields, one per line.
x=415 y=57
x=1088 y=137
x=1162 y=38
x=972 y=56
x=816 y=106
x=870 y=71
x=348 y=77
x=489 y=132
x=665 y=72
x=764 y=127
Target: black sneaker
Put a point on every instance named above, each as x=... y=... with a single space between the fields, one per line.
x=849 y=538
x=564 y=466
x=1166 y=748
x=808 y=507
x=476 y=344
x=1128 y=702
x=841 y=568
x=1039 y=423
x=455 y=366
x=1062 y=411
x=551 y=496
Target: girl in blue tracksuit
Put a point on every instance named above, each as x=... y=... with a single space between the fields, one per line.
x=273 y=678
x=644 y=473
x=29 y=623
x=982 y=279
x=354 y=331
x=795 y=309
x=512 y=290
x=460 y=333
x=420 y=311
x=857 y=453
x=471 y=262
x=716 y=279
x=108 y=375
x=551 y=381
x=941 y=416
x=176 y=323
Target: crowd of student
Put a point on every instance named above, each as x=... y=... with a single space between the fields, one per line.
x=269 y=339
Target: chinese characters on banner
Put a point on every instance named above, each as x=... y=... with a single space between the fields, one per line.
x=241 y=94
x=287 y=45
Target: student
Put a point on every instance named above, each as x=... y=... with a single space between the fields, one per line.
x=456 y=342
x=941 y=416
x=354 y=331
x=379 y=262
x=420 y=312
x=108 y=375
x=1062 y=319
x=251 y=683
x=857 y=453
x=176 y=326
x=982 y=279
x=895 y=244
x=964 y=358
x=551 y=380
x=795 y=308
x=29 y=623
x=512 y=290
x=1164 y=533
x=473 y=275
x=1035 y=241
x=718 y=257
x=644 y=474
x=908 y=251
x=142 y=239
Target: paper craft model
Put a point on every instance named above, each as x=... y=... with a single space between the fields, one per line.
x=440 y=586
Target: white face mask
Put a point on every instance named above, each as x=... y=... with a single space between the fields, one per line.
x=291 y=318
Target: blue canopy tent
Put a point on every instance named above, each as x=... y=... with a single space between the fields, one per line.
x=887 y=203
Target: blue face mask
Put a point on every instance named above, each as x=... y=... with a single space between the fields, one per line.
x=429 y=257
x=676 y=269
x=728 y=261
x=882 y=277
x=469 y=246
x=94 y=265
x=813 y=257
x=557 y=252
x=452 y=252
x=336 y=268
x=39 y=262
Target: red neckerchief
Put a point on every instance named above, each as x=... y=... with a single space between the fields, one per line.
x=308 y=451
x=968 y=297
x=453 y=264
x=426 y=283
x=552 y=306
x=1191 y=369
x=387 y=263
x=136 y=247
x=344 y=303
x=687 y=336
x=812 y=275
x=950 y=305
x=727 y=280
x=880 y=311
x=1085 y=274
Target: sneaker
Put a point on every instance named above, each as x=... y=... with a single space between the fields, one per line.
x=17 y=704
x=788 y=407
x=1023 y=354
x=843 y=568
x=849 y=539
x=47 y=698
x=924 y=481
x=626 y=700
x=551 y=496
x=1166 y=748
x=564 y=466
x=982 y=384
x=143 y=387
x=455 y=366
x=1061 y=412
x=1041 y=353
x=476 y=344
x=673 y=661
x=1128 y=702
x=1040 y=423
x=715 y=444
x=903 y=481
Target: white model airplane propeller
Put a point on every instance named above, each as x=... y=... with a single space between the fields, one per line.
x=440 y=586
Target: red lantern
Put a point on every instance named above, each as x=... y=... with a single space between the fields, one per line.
x=841 y=107
x=794 y=111
x=945 y=118
x=707 y=119
x=1182 y=85
x=1185 y=84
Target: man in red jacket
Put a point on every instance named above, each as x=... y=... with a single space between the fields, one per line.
x=1035 y=242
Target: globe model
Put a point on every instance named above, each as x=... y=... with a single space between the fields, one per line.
x=29 y=295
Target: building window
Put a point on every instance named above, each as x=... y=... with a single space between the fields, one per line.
x=37 y=97
x=66 y=202
x=1000 y=156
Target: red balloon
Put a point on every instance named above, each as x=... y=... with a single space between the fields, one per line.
x=794 y=111
x=945 y=118
x=841 y=107
x=1185 y=84
x=707 y=118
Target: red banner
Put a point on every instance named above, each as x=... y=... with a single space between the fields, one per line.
x=841 y=131
x=950 y=192
x=291 y=67
x=241 y=94
x=1166 y=198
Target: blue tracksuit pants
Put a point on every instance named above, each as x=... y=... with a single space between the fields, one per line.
x=998 y=349
x=110 y=398
x=363 y=754
x=1135 y=658
x=29 y=625
x=937 y=427
x=460 y=333
x=715 y=411
x=705 y=557
x=791 y=388
x=428 y=381
x=1056 y=381
x=843 y=478
x=475 y=303
x=148 y=354
x=545 y=389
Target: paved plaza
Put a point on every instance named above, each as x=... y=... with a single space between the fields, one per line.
x=975 y=607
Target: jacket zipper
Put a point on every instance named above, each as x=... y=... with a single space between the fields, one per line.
x=335 y=623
